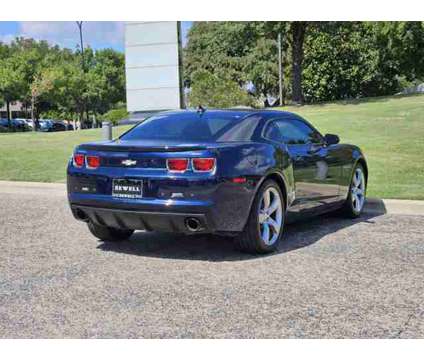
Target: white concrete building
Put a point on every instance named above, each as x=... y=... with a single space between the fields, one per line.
x=153 y=66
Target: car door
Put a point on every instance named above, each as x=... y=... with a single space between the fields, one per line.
x=315 y=170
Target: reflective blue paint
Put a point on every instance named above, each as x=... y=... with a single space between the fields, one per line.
x=313 y=179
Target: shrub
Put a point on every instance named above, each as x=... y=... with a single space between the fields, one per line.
x=115 y=115
x=210 y=91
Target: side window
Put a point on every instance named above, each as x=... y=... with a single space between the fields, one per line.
x=295 y=132
x=272 y=132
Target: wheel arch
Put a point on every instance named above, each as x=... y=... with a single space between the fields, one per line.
x=362 y=162
x=279 y=179
x=281 y=182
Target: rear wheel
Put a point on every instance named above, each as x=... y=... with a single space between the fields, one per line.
x=106 y=233
x=356 y=198
x=264 y=228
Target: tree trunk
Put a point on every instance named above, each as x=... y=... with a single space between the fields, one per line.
x=9 y=123
x=34 y=125
x=298 y=36
x=81 y=119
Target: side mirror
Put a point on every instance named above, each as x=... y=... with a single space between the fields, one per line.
x=331 y=139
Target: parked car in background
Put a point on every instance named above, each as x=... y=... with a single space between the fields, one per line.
x=14 y=125
x=4 y=127
x=30 y=123
x=45 y=125
x=48 y=125
x=21 y=124
x=66 y=125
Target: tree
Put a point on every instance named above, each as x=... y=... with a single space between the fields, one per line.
x=400 y=47
x=12 y=81
x=52 y=80
x=220 y=48
x=345 y=60
x=4 y=50
x=115 y=115
x=35 y=57
x=297 y=37
x=105 y=81
x=208 y=90
x=43 y=84
x=262 y=67
x=241 y=52
x=71 y=93
x=341 y=62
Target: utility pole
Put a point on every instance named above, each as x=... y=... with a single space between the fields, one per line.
x=79 y=23
x=280 y=70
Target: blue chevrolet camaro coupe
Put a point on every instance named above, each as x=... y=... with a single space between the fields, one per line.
x=238 y=173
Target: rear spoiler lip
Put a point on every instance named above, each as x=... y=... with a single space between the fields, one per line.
x=124 y=148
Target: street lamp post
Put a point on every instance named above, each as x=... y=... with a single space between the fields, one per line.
x=79 y=23
x=280 y=70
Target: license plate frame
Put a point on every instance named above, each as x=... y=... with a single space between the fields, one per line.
x=127 y=188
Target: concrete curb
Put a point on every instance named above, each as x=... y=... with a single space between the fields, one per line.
x=394 y=206
x=372 y=205
x=32 y=188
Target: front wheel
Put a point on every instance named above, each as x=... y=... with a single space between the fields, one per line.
x=106 y=233
x=356 y=198
x=264 y=228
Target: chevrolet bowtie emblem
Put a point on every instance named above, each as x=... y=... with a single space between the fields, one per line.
x=128 y=162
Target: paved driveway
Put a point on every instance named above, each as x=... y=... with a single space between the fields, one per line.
x=332 y=277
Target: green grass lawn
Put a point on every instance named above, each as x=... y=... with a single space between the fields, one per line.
x=35 y=156
x=389 y=130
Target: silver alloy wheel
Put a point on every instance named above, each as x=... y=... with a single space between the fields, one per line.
x=270 y=216
x=358 y=190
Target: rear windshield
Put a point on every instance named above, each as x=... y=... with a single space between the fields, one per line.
x=194 y=127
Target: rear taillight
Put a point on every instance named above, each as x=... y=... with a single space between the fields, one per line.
x=179 y=165
x=203 y=164
x=93 y=162
x=79 y=160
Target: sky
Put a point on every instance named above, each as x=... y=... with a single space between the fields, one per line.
x=97 y=34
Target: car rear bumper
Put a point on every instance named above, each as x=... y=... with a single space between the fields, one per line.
x=144 y=220
x=220 y=206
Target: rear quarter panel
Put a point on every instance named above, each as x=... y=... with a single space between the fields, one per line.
x=256 y=161
x=350 y=155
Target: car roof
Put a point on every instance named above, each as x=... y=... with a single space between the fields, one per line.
x=230 y=112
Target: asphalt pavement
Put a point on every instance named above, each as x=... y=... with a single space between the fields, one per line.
x=331 y=278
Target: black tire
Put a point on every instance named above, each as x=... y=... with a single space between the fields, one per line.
x=348 y=207
x=250 y=240
x=105 y=233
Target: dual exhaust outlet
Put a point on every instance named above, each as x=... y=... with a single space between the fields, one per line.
x=192 y=224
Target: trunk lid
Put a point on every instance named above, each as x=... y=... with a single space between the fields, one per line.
x=138 y=146
x=143 y=155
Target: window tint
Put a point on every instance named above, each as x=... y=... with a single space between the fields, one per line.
x=292 y=132
x=191 y=126
x=272 y=132
x=217 y=124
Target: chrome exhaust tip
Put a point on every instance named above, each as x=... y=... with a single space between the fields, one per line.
x=192 y=224
x=81 y=215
